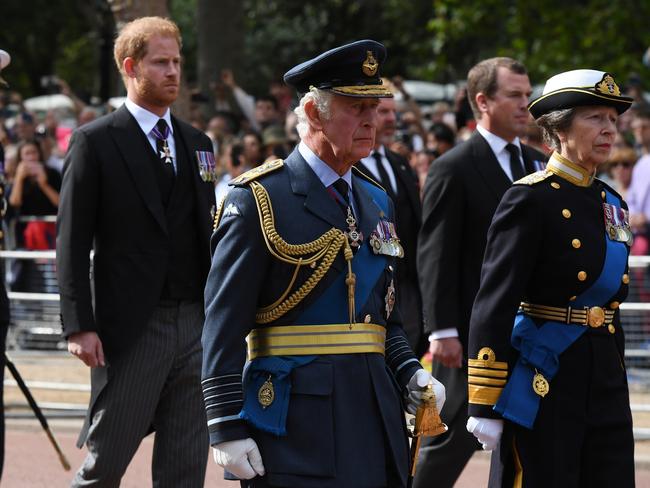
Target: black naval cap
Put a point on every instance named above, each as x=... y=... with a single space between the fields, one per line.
x=351 y=70
x=579 y=87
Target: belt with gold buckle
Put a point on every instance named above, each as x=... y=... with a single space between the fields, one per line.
x=591 y=316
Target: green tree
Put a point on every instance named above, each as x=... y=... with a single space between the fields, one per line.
x=549 y=36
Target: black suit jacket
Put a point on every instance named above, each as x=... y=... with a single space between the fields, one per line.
x=110 y=201
x=461 y=194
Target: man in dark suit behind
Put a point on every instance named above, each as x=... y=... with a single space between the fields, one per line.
x=461 y=193
x=134 y=190
x=393 y=172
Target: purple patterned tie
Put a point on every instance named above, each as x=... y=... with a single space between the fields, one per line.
x=161 y=133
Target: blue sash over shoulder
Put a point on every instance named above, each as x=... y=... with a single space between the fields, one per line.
x=331 y=307
x=540 y=347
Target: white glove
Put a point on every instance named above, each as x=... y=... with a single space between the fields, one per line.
x=241 y=457
x=487 y=431
x=416 y=385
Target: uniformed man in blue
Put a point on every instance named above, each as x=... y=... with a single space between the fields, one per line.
x=547 y=382
x=301 y=289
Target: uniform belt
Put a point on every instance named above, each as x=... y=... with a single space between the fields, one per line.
x=591 y=316
x=300 y=340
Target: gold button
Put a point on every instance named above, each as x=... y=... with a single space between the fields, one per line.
x=572 y=298
x=614 y=305
x=582 y=275
x=603 y=195
x=566 y=213
x=367 y=319
x=625 y=279
x=611 y=328
x=555 y=185
x=576 y=243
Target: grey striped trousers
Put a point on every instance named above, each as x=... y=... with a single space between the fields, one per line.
x=155 y=384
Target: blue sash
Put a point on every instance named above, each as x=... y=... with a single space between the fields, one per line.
x=331 y=307
x=540 y=347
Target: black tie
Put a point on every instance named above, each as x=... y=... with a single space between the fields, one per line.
x=516 y=169
x=342 y=187
x=383 y=175
x=161 y=133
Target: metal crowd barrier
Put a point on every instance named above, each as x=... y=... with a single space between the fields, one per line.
x=36 y=324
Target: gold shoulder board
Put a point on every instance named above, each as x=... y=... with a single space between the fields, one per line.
x=366 y=177
x=533 y=178
x=255 y=173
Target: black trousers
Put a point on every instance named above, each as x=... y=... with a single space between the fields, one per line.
x=582 y=436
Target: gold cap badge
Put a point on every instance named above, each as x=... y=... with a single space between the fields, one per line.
x=370 y=65
x=608 y=86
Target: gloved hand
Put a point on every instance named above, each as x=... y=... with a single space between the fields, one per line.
x=487 y=431
x=241 y=457
x=416 y=385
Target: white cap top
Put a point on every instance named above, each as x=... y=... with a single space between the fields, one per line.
x=5 y=59
x=577 y=78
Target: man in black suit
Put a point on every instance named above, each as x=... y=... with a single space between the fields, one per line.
x=393 y=172
x=461 y=193
x=5 y=59
x=135 y=190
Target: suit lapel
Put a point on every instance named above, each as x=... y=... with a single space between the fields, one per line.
x=368 y=209
x=185 y=140
x=530 y=158
x=488 y=167
x=305 y=182
x=137 y=155
x=402 y=174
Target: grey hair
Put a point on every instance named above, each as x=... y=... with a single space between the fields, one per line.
x=554 y=122
x=323 y=101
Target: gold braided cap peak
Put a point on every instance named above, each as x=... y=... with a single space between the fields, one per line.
x=255 y=173
x=534 y=178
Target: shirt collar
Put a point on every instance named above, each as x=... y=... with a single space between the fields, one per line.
x=568 y=170
x=496 y=143
x=325 y=173
x=145 y=119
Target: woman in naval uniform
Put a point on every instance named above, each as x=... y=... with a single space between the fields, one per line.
x=547 y=382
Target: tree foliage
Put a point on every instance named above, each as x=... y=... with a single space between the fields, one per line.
x=436 y=40
x=548 y=36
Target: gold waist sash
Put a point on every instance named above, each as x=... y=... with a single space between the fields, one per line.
x=591 y=316
x=302 y=340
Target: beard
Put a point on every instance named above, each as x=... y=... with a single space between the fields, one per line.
x=155 y=94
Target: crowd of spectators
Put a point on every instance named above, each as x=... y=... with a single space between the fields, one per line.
x=247 y=131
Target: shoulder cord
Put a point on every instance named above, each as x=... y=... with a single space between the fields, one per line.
x=325 y=248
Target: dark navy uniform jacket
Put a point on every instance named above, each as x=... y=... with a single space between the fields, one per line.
x=345 y=423
x=547 y=246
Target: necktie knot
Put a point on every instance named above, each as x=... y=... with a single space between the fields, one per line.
x=513 y=150
x=342 y=187
x=161 y=130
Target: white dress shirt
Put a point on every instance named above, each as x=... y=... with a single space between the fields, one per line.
x=147 y=121
x=371 y=163
x=498 y=147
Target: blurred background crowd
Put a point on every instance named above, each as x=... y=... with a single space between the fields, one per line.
x=247 y=131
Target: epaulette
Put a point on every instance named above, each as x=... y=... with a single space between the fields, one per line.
x=533 y=178
x=367 y=178
x=255 y=173
x=217 y=214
